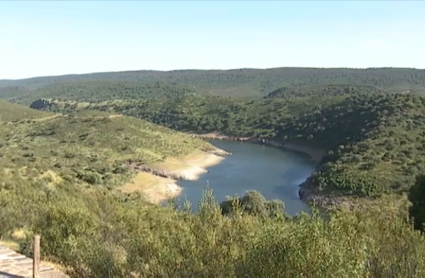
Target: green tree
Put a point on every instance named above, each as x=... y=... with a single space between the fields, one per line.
x=417 y=197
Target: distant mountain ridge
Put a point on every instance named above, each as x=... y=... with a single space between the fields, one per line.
x=250 y=82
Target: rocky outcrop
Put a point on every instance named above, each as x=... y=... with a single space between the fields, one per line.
x=309 y=194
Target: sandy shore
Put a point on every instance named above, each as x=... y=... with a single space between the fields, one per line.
x=158 y=189
x=158 y=181
x=189 y=167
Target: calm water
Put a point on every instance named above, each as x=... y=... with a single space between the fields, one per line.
x=273 y=172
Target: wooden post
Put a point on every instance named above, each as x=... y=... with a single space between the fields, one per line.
x=36 y=259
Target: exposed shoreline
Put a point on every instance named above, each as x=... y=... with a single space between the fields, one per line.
x=158 y=181
x=191 y=168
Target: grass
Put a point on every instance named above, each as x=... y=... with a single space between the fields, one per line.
x=13 y=112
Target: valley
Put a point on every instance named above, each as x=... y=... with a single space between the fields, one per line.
x=226 y=166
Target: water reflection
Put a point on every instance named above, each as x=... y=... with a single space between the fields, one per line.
x=273 y=172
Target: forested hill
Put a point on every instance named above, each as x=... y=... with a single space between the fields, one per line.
x=95 y=91
x=322 y=91
x=250 y=82
x=59 y=173
x=375 y=141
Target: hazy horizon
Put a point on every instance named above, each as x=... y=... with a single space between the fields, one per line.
x=66 y=38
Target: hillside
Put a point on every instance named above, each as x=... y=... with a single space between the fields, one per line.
x=12 y=112
x=249 y=82
x=374 y=141
x=97 y=148
x=62 y=177
x=323 y=91
x=93 y=91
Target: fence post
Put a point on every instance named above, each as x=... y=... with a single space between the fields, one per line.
x=36 y=259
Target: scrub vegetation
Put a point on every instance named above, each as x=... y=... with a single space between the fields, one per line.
x=61 y=169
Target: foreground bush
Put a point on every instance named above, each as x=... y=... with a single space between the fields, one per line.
x=97 y=234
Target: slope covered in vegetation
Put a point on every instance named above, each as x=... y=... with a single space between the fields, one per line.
x=94 y=233
x=13 y=112
x=58 y=173
x=322 y=91
x=94 y=91
x=374 y=140
x=56 y=181
x=89 y=148
x=250 y=82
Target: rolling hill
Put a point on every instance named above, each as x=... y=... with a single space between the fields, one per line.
x=13 y=112
x=323 y=91
x=61 y=177
x=92 y=91
x=374 y=140
x=248 y=82
x=90 y=147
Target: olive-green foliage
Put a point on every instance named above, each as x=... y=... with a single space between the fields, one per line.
x=417 y=197
x=374 y=140
x=322 y=91
x=253 y=203
x=95 y=91
x=10 y=92
x=96 y=233
x=249 y=82
x=87 y=148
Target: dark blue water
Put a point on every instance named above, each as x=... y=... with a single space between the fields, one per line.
x=273 y=172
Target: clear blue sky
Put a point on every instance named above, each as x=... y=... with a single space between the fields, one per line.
x=63 y=37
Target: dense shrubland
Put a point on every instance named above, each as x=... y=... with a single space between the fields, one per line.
x=374 y=141
x=95 y=91
x=59 y=171
x=249 y=82
x=322 y=91
x=86 y=148
x=95 y=232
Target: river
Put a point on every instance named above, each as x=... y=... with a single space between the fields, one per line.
x=273 y=172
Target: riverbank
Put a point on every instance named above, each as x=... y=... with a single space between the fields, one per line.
x=310 y=194
x=158 y=181
x=337 y=200
x=315 y=154
x=307 y=192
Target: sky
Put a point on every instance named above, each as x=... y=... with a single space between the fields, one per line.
x=64 y=37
